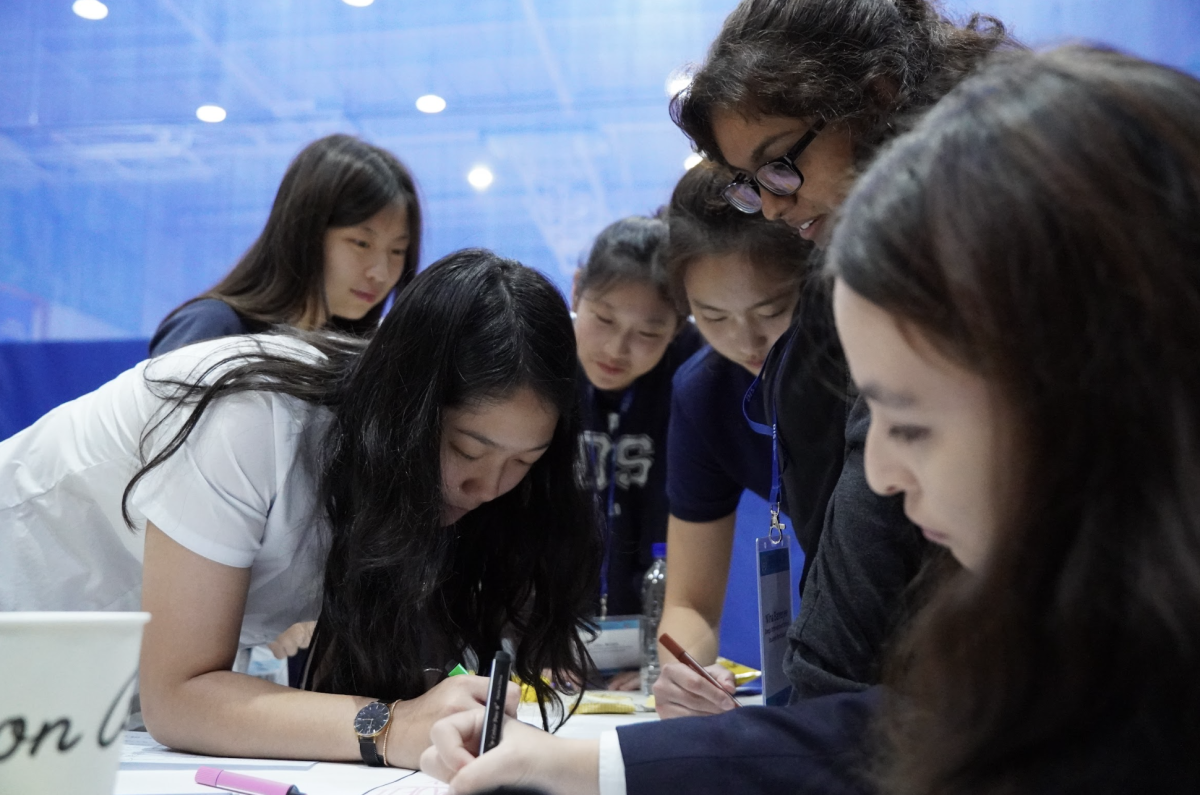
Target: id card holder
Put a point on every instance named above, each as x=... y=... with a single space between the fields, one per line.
x=774 y=563
x=618 y=645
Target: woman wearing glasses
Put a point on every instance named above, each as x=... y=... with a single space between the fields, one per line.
x=794 y=97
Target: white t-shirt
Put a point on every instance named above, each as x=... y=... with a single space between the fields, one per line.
x=241 y=491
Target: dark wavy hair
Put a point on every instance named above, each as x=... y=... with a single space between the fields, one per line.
x=703 y=224
x=402 y=593
x=628 y=250
x=862 y=63
x=335 y=181
x=1041 y=226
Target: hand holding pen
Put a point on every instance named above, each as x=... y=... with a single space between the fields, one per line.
x=689 y=688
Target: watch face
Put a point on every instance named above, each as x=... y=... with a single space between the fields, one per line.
x=371 y=719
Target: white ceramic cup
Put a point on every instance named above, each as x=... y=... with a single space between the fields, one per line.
x=65 y=684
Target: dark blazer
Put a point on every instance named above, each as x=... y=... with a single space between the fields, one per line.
x=817 y=746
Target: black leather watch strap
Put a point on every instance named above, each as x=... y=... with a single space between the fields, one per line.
x=370 y=753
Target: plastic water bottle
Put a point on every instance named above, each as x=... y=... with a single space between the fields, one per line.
x=654 y=592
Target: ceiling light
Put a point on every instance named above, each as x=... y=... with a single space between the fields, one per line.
x=210 y=113
x=431 y=103
x=480 y=177
x=691 y=161
x=358 y=3
x=677 y=81
x=90 y=9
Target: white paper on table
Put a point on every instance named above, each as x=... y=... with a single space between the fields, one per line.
x=141 y=750
x=324 y=778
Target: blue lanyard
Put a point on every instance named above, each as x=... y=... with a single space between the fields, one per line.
x=772 y=430
x=614 y=424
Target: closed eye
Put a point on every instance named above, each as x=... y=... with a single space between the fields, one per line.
x=464 y=455
x=908 y=433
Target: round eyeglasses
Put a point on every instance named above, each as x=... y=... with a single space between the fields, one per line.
x=780 y=176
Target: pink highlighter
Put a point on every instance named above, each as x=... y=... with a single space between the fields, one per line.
x=248 y=785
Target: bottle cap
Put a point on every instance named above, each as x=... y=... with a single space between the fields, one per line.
x=659 y=550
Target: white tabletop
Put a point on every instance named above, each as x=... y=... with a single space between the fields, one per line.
x=148 y=768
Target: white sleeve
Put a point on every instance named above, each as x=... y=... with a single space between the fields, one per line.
x=213 y=495
x=612 y=764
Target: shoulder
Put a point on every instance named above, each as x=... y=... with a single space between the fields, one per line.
x=199 y=320
x=204 y=360
x=709 y=375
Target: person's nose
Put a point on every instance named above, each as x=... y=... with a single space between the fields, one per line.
x=378 y=267
x=886 y=475
x=774 y=206
x=617 y=345
x=750 y=339
x=483 y=485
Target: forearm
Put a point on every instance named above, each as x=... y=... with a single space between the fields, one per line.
x=699 y=634
x=698 y=556
x=230 y=714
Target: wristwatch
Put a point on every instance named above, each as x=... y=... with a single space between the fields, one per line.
x=369 y=723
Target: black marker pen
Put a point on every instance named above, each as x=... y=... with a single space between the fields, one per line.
x=493 y=715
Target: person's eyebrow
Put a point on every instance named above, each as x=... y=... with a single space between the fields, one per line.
x=759 y=152
x=887 y=397
x=479 y=437
x=772 y=299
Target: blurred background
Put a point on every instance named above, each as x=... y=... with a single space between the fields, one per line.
x=117 y=202
x=142 y=141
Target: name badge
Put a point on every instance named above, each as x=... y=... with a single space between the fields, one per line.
x=618 y=645
x=774 y=614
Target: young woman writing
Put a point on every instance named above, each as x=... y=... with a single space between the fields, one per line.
x=344 y=235
x=740 y=277
x=417 y=492
x=1034 y=393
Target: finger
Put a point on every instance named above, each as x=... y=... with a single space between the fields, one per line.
x=626 y=680
x=454 y=736
x=432 y=764
x=512 y=699
x=724 y=676
x=277 y=649
x=680 y=691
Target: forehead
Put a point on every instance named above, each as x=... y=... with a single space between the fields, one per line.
x=631 y=297
x=391 y=221
x=521 y=421
x=887 y=358
x=731 y=278
x=741 y=139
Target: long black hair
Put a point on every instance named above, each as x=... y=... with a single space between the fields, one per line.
x=335 y=181
x=1041 y=226
x=861 y=63
x=402 y=593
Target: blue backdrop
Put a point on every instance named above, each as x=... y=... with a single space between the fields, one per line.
x=117 y=203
